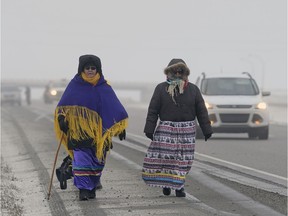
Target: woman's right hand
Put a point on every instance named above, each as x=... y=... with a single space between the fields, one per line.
x=149 y=135
x=122 y=135
x=63 y=124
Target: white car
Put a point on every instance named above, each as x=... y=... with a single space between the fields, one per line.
x=11 y=95
x=235 y=105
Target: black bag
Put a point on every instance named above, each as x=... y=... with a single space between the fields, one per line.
x=64 y=172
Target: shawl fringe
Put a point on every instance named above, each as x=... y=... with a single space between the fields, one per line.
x=85 y=123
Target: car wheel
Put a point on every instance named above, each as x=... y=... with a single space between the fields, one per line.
x=264 y=133
x=252 y=135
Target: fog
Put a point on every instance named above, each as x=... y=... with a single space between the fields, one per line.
x=136 y=39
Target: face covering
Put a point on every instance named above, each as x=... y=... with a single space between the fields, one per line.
x=176 y=85
x=92 y=80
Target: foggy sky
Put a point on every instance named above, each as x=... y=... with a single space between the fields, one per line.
x=136 y=39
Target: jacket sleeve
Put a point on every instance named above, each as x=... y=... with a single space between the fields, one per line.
x=153 y=112
x=202 y=114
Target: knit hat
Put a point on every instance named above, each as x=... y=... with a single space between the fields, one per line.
x=89 y=60
x=176 y=64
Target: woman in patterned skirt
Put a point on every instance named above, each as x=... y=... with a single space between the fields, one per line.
x=176 y=103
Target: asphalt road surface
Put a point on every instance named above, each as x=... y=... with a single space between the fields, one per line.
x=231 y=175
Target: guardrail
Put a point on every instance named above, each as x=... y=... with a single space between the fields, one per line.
x=277 y=98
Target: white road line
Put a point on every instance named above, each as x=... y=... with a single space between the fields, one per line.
x=41 y=115
x=233 y=195
x=132 y=146
x=137 y=136
x=243 y=167
x=223 y=161
x=188 y=196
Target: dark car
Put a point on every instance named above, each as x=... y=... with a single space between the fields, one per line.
x=11 y=95
x=53 y=91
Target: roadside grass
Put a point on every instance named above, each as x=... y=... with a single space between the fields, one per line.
x=11 y=204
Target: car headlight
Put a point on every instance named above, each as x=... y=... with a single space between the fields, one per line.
x=53 y=92
x=261 y=105
x=208 y=106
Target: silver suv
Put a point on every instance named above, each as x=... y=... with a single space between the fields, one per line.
x=10 y=95
x=235 y=105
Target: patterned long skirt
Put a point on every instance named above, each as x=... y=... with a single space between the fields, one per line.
x=87 y=169
x=170 y=155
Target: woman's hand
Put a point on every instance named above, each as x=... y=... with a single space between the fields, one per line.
x=122 y=135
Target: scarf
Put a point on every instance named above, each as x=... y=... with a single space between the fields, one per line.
x=176 y=86
x=92 y=80
x=92 y=111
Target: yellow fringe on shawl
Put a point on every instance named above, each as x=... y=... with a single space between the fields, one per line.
x=85 y=123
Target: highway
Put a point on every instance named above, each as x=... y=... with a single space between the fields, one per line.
x=231 y=175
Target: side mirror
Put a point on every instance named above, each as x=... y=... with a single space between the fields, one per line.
x=266 y=93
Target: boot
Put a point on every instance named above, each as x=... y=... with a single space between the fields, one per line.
x=61 y=176
x=180 y=193
x=92 y=193
x=64 y=172
x=166 y=191
x=83 y=194
x=99 y=186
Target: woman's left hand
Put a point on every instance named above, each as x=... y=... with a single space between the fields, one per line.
x=122 y=135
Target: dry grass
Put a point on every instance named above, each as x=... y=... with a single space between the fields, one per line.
x=10 y=203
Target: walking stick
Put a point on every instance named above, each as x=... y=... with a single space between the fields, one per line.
x=53 y=170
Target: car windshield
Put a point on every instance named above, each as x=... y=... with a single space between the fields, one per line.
x=229 y=86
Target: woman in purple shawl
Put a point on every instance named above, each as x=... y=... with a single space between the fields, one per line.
x=87 y=116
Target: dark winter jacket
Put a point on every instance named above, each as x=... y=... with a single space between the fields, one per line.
x=189 y=105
